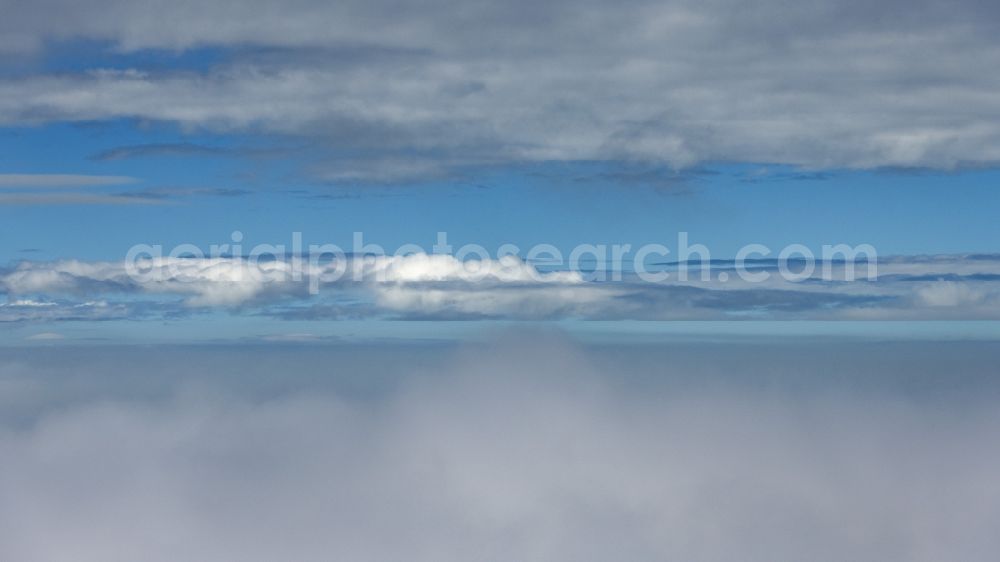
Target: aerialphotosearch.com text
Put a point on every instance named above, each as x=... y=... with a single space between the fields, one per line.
x=365 y=260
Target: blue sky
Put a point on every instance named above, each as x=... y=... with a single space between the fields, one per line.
x=266 y=196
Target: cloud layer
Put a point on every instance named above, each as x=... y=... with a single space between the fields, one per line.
x=390 y=93
x=422 y=286
x=517 y=450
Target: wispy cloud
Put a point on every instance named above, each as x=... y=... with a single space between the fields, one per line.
x=61 y=180
x=168 y=193
x=76 y=198
x=182 y=150
x=49 y=189
x=62 y=310
x=162 y=149
x=45 y=336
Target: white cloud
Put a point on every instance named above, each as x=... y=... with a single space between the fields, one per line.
x=238 y=281
x=424 y=268
x=535 y=301
x=29 y=310
x=441 y=286
x=515 y=451
x=949 y=293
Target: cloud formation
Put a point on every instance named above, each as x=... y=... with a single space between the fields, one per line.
x=390 y=93
x=30 y=310
x=45 y=189
x=422 y=286
x=512 y=451
x=60 y=180
x=76 y=198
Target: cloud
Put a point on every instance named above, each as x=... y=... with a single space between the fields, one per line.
x=525 y=449
x=60 y=180
x=422 y=286
x=164 y=194
x=207 y=282
x=237 y=281
x=74 y=198
x=42 y=189
x=179 y=149
x=162 y=149
x=384 y=94
x=31 y=310
x=45 y=336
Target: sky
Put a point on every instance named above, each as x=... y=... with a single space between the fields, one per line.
x=371 y=280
